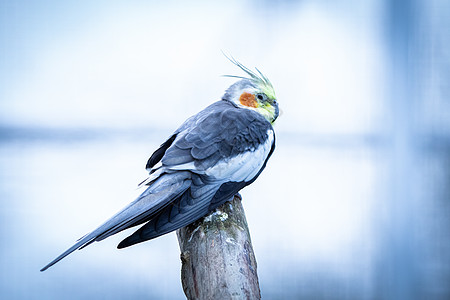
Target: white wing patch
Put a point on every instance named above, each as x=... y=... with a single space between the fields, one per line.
x=244 y=166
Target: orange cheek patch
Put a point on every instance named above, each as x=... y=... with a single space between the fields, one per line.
x=248 y=99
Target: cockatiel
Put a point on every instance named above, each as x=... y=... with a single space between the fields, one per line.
x=205 y=162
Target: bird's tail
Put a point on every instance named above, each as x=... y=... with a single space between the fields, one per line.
x=157 y=196
x=84 y=240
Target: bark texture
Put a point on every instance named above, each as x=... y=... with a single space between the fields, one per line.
x=217 y=256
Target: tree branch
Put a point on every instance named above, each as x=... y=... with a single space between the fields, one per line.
x=217 y=256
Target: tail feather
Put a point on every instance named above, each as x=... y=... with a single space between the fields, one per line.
x=87 y=239
x=156 y=197
x=183 y=211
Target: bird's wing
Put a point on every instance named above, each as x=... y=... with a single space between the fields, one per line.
x=225 y=151
x=225 y=132
x=215 y=135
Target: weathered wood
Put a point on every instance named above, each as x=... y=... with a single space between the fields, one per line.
x=217 y=256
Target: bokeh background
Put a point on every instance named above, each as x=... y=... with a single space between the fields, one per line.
x=354 y=204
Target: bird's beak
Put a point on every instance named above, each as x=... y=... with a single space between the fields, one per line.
x=276 y=113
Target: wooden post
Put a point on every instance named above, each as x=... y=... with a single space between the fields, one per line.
x=217 y=256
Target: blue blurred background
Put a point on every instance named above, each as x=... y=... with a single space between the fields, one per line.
x=354 y=204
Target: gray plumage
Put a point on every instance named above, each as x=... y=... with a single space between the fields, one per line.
x=207 y=160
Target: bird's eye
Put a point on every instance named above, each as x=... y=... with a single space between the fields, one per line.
x=261 y=97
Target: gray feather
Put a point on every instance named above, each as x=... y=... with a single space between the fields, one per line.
x=150 y=202
x=222 y=133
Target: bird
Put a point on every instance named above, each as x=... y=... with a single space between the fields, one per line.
x=203 y=164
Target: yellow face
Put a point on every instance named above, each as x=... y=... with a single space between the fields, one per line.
x=260 y=102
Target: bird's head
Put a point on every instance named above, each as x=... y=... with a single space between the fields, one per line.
x=255 y=93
